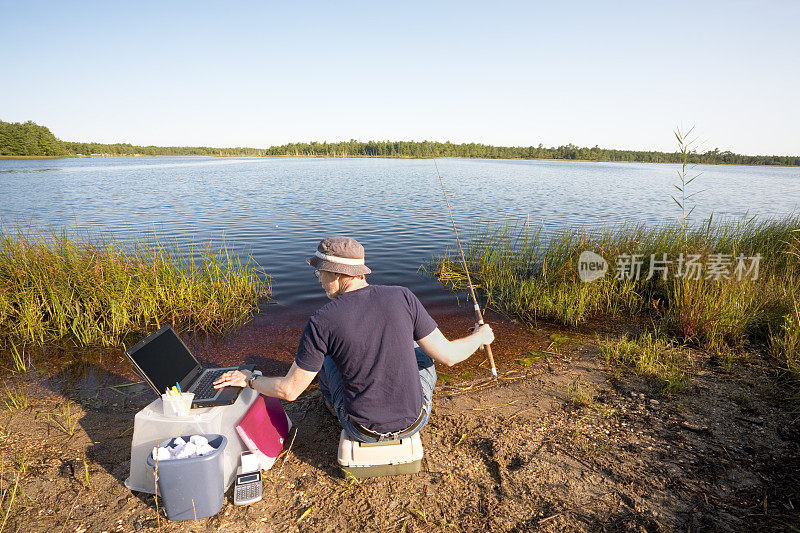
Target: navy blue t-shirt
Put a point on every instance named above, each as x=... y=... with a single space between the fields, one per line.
x=370 y=334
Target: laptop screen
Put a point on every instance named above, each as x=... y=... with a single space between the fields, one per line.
x=164 y=359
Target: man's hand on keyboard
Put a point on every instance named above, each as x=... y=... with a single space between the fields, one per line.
x=233 y=378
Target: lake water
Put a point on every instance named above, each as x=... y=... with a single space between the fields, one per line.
x=277 y=209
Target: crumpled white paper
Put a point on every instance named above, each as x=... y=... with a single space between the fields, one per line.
x=198 y=445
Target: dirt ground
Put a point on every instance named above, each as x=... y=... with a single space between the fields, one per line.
x=560 y=444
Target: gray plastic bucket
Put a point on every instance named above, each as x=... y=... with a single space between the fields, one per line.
x=193 y=487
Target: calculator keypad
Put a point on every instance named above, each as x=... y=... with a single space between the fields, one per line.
x=248 y=491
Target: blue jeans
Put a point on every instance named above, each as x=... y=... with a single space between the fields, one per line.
x=330 y=385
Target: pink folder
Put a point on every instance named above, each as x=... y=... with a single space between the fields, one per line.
x=264 y=429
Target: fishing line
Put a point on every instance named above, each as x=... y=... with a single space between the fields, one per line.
x=477 y=307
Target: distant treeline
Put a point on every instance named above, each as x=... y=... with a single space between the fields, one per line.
x=25 y=139
x=77 y=148
x=29 y=139
x=423 y=149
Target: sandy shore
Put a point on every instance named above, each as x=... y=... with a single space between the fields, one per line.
x=562 y=444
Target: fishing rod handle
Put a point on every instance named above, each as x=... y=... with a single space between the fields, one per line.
x=491 y=360
x=486 y=346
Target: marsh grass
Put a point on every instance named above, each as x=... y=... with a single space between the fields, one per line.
x=64 y=419
x=20 y=361
x=85 y=290
x=528 y=275
x=531 y=275
x=21 y=464
x=580 y=394
x=419 y=513
x=15 y=397
x=649 y=356
x=7 y=499
x=86 y=479
x=786 y=341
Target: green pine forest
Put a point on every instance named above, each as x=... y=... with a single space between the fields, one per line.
x=28 y=139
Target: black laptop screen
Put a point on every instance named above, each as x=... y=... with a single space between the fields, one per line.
x=164 y=359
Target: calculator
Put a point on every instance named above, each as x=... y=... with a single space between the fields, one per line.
x=248 y=488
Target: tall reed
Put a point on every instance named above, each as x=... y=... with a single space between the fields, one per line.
x=87 y=290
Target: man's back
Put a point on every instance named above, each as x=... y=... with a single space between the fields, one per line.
x=369 y=333
x=374 y=379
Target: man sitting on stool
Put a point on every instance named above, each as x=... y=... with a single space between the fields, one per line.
x=377 y=383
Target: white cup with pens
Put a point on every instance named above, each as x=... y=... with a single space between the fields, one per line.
x=176 y=402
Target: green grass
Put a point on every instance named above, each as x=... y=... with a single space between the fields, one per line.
x=7 y=499
x=580 y=394
x=528 y=275
x=649 y=356
x=85 y=290
x=786 y=341
x=65 y=419
x=15 y=397
x=21 y=464
x=86 y=480
x=743 y=400
x=20 y=361
x=532 y=357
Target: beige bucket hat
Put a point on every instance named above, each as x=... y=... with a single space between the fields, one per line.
x=342 y=255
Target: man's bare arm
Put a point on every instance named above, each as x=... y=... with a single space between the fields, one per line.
x=448 y=352
x=288 y=387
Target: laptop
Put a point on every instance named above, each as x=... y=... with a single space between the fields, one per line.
x=163 y=360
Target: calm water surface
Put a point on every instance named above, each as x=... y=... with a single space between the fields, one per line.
x=277 y=209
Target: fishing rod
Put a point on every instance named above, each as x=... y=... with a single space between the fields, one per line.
x=478 y=313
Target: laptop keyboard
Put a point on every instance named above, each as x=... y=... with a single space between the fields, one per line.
x=205 y=385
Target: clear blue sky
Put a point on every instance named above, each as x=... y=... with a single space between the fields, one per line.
x=616 y=74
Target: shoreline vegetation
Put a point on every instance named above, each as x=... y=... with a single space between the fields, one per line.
x=30 y=140
x=81 y=290
x=727 y=314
